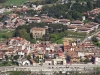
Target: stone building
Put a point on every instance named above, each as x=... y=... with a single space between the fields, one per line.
x=37 y=32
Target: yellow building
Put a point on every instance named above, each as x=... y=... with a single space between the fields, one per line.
x=75 y=59
x=38 y=32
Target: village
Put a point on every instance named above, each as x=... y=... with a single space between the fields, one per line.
x=18 y=51
x=13 y=20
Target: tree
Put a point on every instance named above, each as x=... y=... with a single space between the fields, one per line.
x=54 y=36
x=56 y=10
x=75 y=14
x=28 y=57
x=68 y=16
x=3 y=1
x=20 y=73
x=89 y=5
x=52 y=33
x=33 y=41
x=68 y=58
x=97 y=69
x=77 y=1
x=94 y=39
x=61 y=34
x=6 y=57
x=12 y=56
x=52 y=39
x=97 y=3
x=30 y=12
x=77 y=7
x=23 y=33
x=8 y=35
x=46 y=55
x=80 y=7
x=97 y=19
x=36 y=59
x=86 y=60
x=33 y=56
x=16 y=57
x=50 y=1
x=93 y=59
x=5 y=63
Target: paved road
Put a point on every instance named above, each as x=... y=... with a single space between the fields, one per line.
x=89 y=37
x=50 y=68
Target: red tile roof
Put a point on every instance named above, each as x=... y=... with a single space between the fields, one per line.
x=38 y=29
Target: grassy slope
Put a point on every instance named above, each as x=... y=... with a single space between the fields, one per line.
x=18 y=2
x=3 y=33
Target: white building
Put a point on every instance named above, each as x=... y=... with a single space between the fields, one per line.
x=77 y=23
x=33 y=19
x=24 y=62
x=97 y=60
x=48 y=62
x=59 y=61
x=64 y=21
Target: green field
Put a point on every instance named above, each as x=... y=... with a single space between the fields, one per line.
x=60 y=41
x=4 y=35
x=18 y=2
x=15 y=2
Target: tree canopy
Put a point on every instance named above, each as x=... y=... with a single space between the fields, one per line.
x=53 y=33
x=3 y=1
x=97 y=4
x=56 y=10
x=94 y=39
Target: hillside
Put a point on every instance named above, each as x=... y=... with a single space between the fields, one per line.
x=18 y=2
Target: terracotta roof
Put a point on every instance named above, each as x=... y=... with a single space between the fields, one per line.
x=38 y=29
x=0 y=7
x=64 y=20
x=93 y=23
x=12 y=14
x=77 y=22
x=17 y=38
x=24 y=9
x=60 y=54
x=72 y=53
x=97 y=35
x=1 y=56
x=11 y=50
x=53 y=19
x=1 y=15
x=65 y=43
x=44 y=16
x=24 y=51
x=1 y=24
x=88 y=56
x=89 y=45
x=71 y=27
x=34 y=18
x=17 y=10
x=95 y=11
x=88 y=26
x=47 y=21
x=75 y=57
x=31 y=60
x=83 y=29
